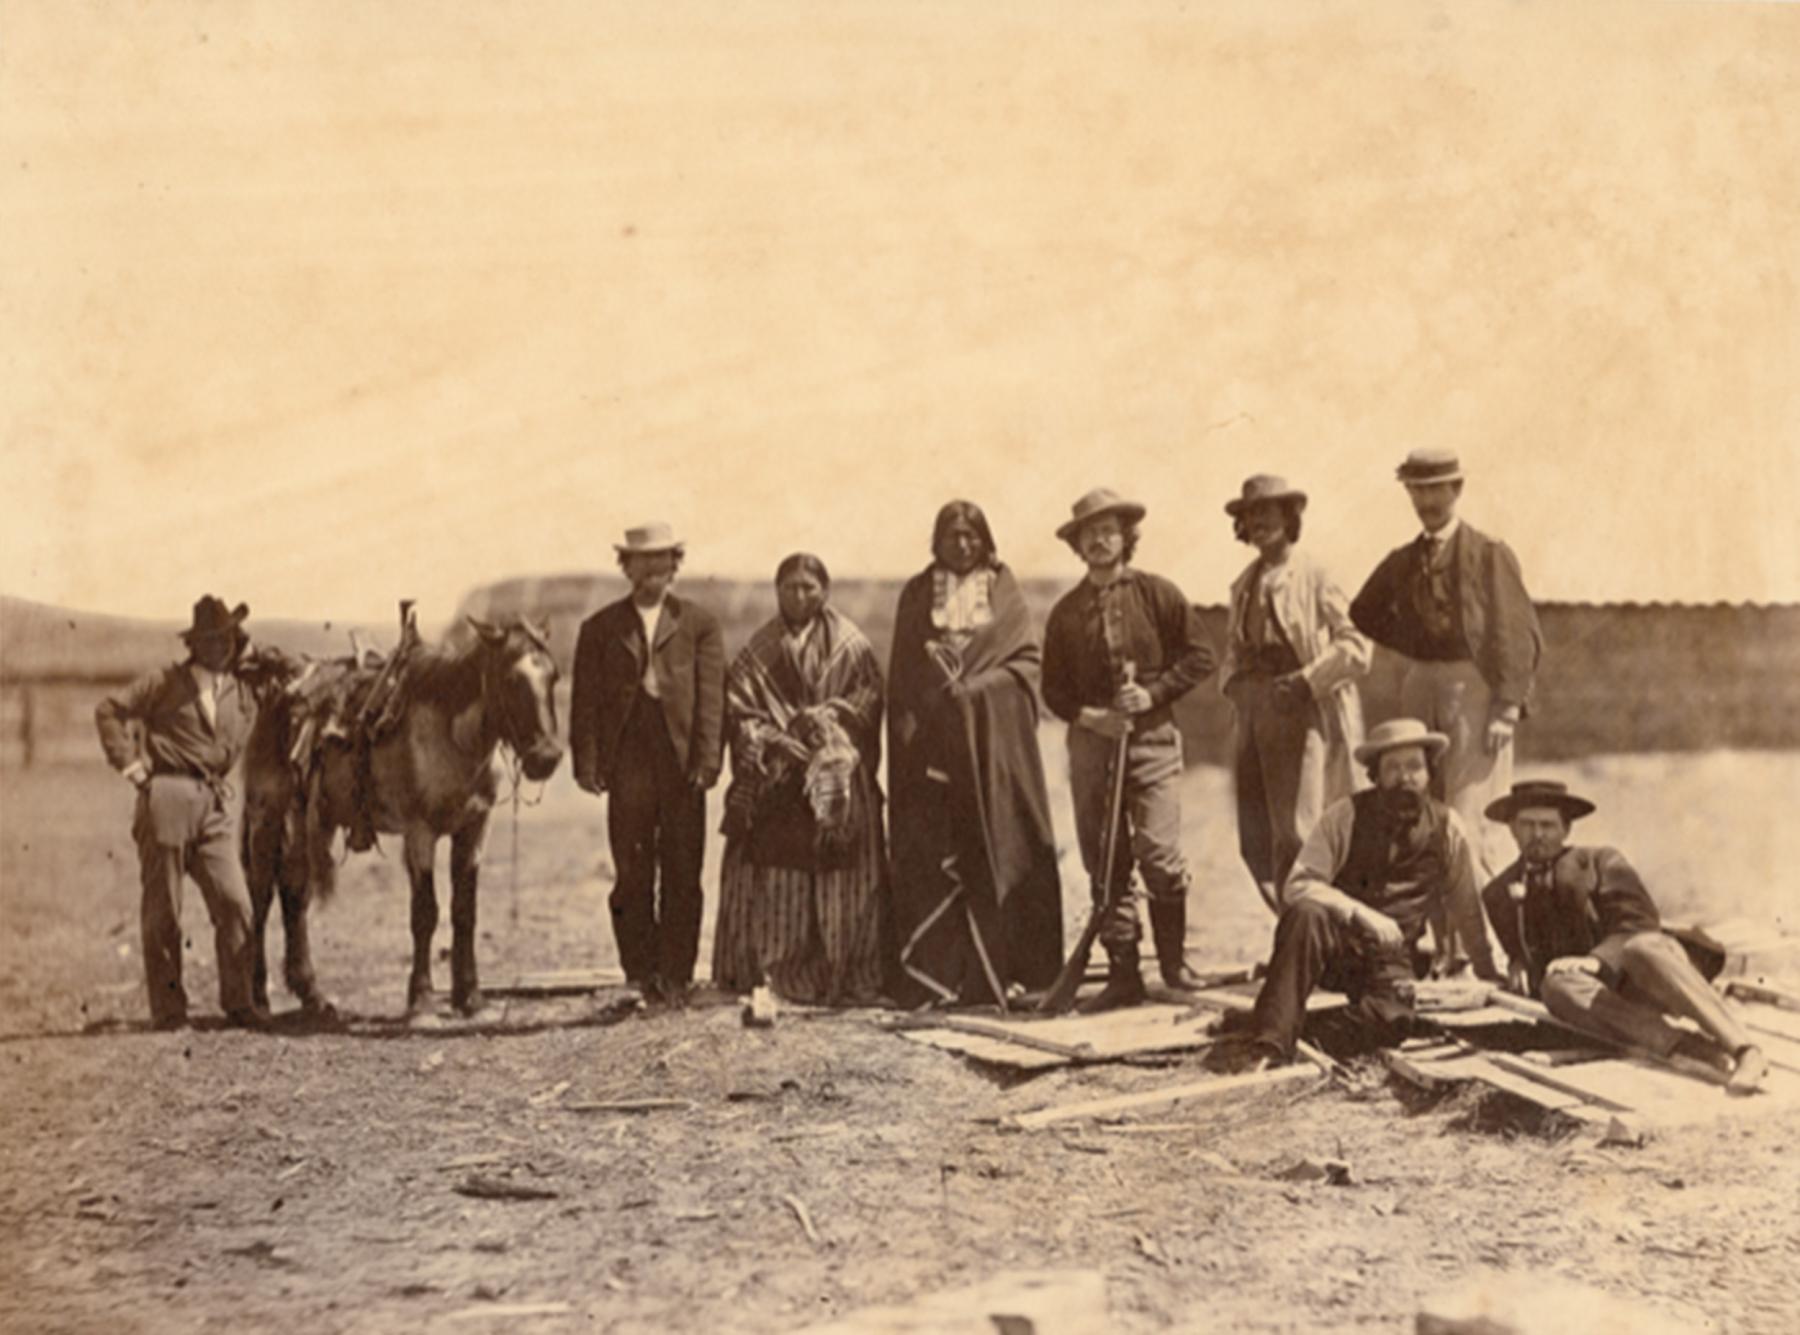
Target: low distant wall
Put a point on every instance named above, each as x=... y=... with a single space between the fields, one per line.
x=1616 y=677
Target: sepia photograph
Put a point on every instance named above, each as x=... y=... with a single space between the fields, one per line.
x=899 y=666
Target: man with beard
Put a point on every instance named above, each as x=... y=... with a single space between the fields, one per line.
x=1452 y=603
x=1119 y=649
x=646 y=727
x=1380 y=866
x=1581 y=932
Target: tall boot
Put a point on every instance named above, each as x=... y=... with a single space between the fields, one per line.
x=1168 y=926
x=1124 y=982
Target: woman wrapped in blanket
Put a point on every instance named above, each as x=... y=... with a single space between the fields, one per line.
x=805 y=861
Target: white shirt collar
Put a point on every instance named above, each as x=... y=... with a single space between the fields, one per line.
x=1444 y=534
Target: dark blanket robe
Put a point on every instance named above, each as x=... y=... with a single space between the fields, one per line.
x=977 y=904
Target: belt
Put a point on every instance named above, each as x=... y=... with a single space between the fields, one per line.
x=220 y=785
x=1269 y=660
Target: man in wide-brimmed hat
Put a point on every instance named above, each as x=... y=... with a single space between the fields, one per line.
x=1581 y=932
x=1379 y=867
x=1453 y=604
x=1119 y=649
x=177 y=733
x=646 y=727
x=1292 y=661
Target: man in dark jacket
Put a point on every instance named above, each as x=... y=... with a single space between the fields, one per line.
x=1453 y=604
x=646 y=727
x=177 y=734
x=1582 y=933
x=1119 y=649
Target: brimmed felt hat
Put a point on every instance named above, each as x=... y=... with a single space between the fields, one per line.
x=212 y=617
x=1422 y=468
x=1100 y=501
x=648 y=539
x=1265 y=487
x=1529 y=793
x=1399 y=732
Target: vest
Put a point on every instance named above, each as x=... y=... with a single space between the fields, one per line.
x=1397 y=876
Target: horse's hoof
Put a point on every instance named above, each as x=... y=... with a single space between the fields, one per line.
x=469 y=1003
x=320 y=1010
x=418 y=1000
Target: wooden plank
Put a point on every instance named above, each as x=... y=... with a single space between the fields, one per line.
x=1569 y=1080
x=560 y=983
x=1766 y=1019
x=1074 y=1052
x=1242 y=997
x=1193 y=1089
x=1483 y=1018
x=1777 y=997
x=1039 y=1044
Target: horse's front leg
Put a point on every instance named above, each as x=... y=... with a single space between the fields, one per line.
x=466 y=846
x=260 y=850
x=421 y=847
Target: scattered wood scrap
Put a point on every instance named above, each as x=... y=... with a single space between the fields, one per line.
x=499 y=1189
x=629 y=1106
x=1040 y=1044
x=1150 y=1098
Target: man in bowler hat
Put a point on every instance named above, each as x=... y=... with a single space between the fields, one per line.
x=646 y=727
x=1452 y=604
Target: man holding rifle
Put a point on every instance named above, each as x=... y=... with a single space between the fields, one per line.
x=1119 y=649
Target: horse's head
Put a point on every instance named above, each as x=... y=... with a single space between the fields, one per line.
x=519 y=677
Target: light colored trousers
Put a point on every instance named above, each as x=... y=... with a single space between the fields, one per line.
x=1454 y=699
x=183 y=827
x=1644 y=976
x=1151 y=817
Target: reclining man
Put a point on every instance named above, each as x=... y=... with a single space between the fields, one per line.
x=1581 y=933
x=1380 y=866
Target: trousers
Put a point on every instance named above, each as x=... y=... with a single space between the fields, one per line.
x=1644 y=977
x=184 y=827
x=656 y=823
x=1150 y=820
x=1312 y=948
x=1280 y=778
x=1454 y=698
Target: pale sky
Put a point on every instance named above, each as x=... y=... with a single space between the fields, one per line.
x=319 y=305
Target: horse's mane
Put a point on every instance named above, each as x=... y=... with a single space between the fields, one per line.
x=446 y=676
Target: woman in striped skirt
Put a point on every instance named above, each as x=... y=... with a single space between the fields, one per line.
x=800 y=894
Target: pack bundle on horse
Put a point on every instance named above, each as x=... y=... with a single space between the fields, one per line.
x=410 y=748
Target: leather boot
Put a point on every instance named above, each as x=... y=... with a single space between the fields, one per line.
x=1124 y=982
x=1168 y=925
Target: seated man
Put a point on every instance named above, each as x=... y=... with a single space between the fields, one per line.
x=1379 y=866
x=1582 y=933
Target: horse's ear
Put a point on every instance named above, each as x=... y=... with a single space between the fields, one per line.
x=486 y=629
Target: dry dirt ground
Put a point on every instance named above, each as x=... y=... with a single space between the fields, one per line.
x=216 y=1179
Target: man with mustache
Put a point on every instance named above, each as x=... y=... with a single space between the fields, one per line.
x=1581 y=932
x=1119 y=649
x=1452 y=603
x=1379 y=867
x=646 y=727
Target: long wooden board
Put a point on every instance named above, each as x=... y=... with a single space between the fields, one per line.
x=1150 y=1098
x=1030 y=1045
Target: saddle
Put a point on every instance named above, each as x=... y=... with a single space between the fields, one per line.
x=355 y=702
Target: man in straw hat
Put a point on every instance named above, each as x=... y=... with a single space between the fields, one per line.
x=646 y=727
x=1453 y=604
x=1119 y=649
x=1292 y=661
x=1379 y=867
x=177 y=733
x=1581 y=932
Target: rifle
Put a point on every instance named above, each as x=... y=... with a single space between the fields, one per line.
x=1062 y=992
